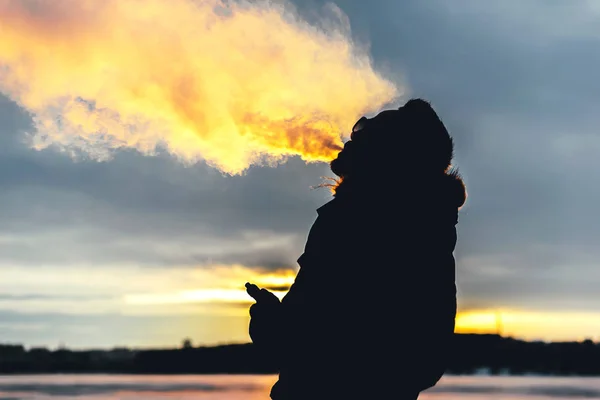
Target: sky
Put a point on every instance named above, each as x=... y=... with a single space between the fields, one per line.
x=118 y=242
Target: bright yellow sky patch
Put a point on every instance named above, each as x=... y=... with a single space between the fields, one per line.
x=531 y=325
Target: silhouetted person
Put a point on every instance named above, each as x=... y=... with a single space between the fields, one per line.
x=371 y=313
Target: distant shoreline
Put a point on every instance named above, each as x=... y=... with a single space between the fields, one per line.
x=474 y=354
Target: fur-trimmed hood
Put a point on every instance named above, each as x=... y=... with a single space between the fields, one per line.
x=457 y=191
x=407 y=153
x=443 y=191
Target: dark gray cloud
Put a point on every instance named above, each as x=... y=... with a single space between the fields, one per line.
x=517 y=85
x=145 y=210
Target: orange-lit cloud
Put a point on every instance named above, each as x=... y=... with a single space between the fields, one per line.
x=222 y=285
x=233 y=83
x=207 y=292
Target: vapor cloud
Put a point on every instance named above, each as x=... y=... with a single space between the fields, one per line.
x=232 y=83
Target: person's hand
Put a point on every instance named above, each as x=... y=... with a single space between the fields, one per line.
x=264 y=315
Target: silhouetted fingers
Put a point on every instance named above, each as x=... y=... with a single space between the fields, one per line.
x=253 y=290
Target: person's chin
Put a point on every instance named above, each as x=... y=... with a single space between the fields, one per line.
x=338 y=166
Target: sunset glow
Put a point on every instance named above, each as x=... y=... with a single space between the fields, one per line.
x=222 y=285
x=212 y=300
x=531 y=324
x=232 y=83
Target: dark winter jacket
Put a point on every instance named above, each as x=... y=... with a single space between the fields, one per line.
x=372 y=310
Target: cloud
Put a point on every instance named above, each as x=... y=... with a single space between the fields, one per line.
x=233 y=83
x=86 y=306
x=131 y=289
x=156 y=221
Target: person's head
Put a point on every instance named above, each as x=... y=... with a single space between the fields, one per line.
x=409 y=139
